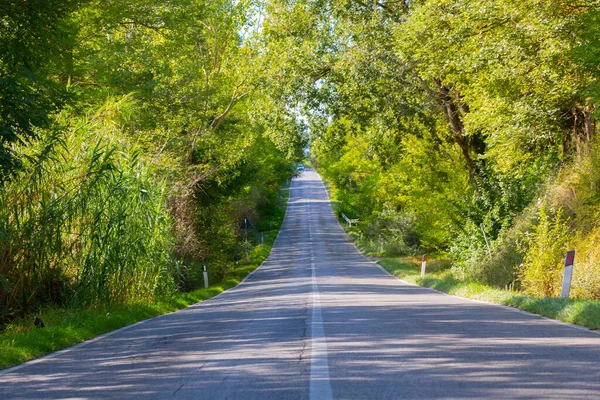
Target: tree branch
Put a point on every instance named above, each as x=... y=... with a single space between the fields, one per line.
x=235 y=98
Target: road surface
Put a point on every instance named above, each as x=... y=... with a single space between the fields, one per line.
x=320 y=321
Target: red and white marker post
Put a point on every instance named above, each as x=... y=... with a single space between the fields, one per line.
x=423 y=265
x=566 y=286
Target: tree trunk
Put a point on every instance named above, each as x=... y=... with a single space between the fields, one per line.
x=456 y=126
x=576 y=137
x=588 y=122
x=583 y=127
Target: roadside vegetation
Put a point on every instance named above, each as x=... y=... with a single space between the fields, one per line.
x=21 y=341
x=462 y=127
x=136 y=137
x=439 y=277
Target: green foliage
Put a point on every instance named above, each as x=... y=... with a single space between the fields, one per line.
x=542 y=267
x=439 y=277
x=496 y=267
x=586 y=274
x=121 y=200
x=83 y=223
x=575 y=193
x=432 y=120
x=20 y=341
x=411 y=201
x=35 y=42
x=457 y=115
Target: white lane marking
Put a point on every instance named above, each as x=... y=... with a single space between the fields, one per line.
x=507 y=308
x=283 y=225
x=320 y=386
x=202 y=303
x=75 y=347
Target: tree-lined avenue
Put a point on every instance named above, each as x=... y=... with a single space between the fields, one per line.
x=319 y=320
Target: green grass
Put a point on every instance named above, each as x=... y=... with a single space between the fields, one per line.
x=21 y=341
x=439 y=277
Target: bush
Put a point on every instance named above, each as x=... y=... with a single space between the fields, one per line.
x=586 y=271
x=500 y=265
x=82 y=224
x=498 y=268
x=541 y=274
x=398 y=229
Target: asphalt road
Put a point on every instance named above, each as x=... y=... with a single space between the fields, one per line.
x=320 y=321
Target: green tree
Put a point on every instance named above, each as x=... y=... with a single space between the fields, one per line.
x=36 y=39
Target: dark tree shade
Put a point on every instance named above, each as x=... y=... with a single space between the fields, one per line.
x=36 y=39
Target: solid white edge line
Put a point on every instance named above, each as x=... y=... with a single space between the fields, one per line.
x=274 y=242
x=105 y=335
x=74 y=347
x=513 y=309
x=509 y=308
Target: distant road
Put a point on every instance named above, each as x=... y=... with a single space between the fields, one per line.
x=320 y=321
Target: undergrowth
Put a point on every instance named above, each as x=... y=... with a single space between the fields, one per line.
x=439 y=277
x=22 y=341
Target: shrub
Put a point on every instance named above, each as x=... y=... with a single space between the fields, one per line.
x=82 y=223
x=586 y=271
x=398 y=229
x=547 y=244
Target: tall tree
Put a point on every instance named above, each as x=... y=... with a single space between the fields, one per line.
x=36 y=39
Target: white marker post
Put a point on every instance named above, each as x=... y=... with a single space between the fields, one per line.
x=262 y=237
x=381 y=246
x=205 y=273
x=423 y=265
x=566 y=286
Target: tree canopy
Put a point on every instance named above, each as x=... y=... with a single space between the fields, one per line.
x=438 y=123
x=456 y=117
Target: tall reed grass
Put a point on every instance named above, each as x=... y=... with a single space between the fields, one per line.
x=82 y=223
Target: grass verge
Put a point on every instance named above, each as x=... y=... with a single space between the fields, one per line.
x=439 y=277
x=21 y=341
